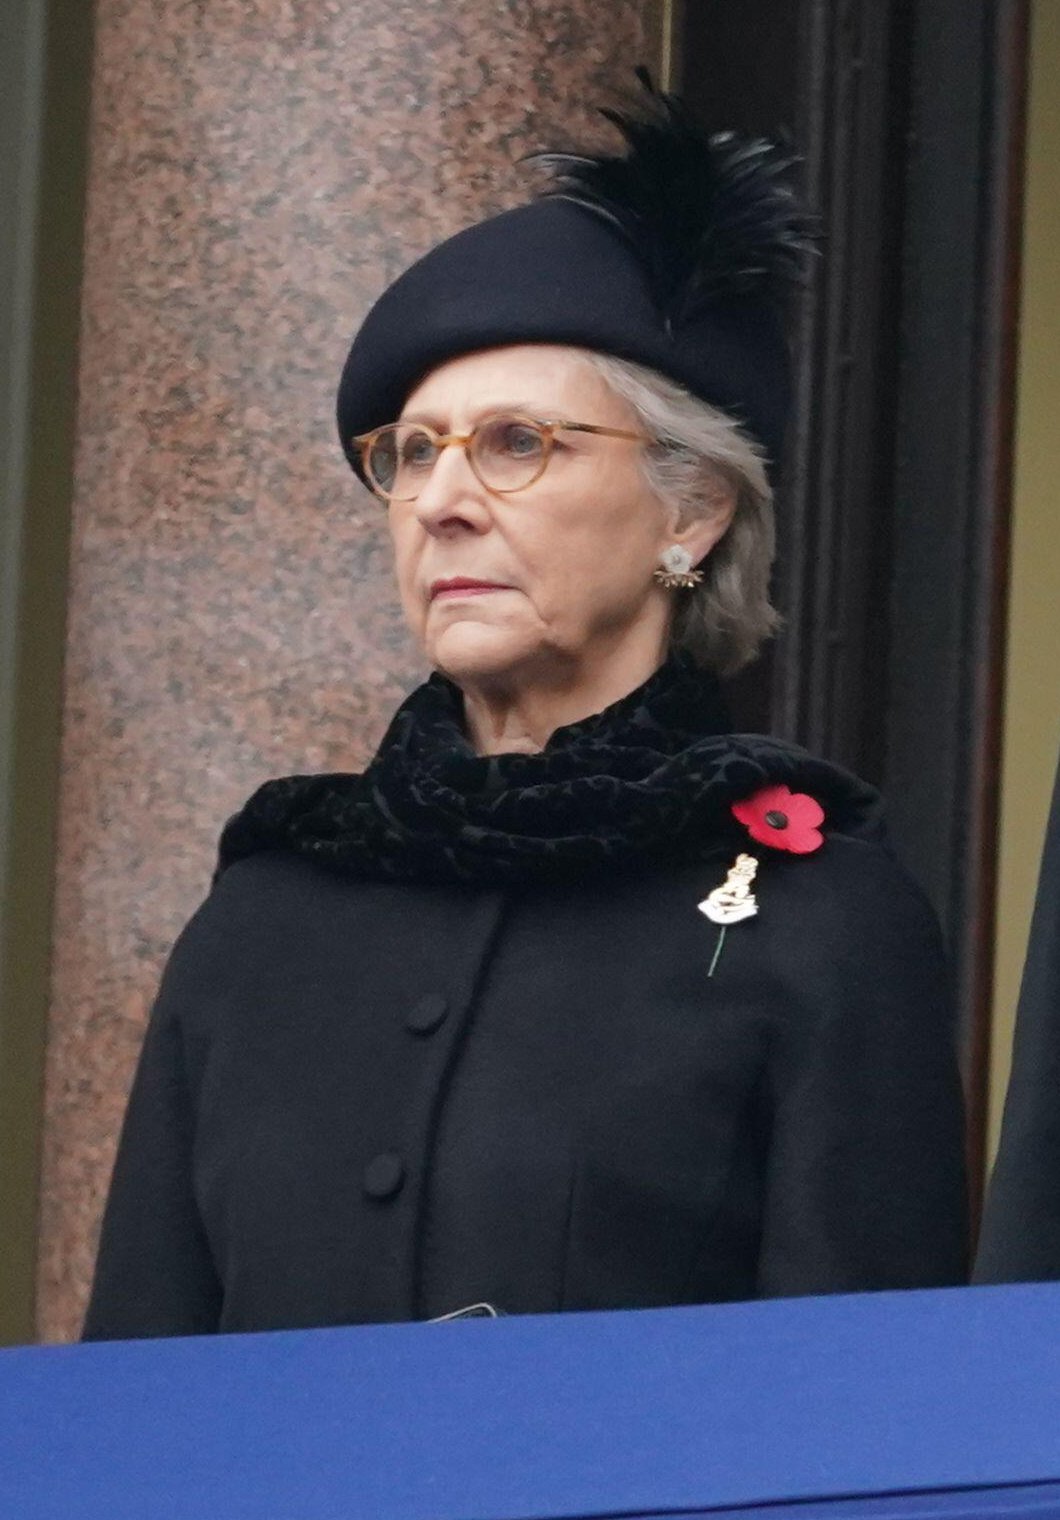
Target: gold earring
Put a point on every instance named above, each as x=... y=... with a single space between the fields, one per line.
x=675 y=570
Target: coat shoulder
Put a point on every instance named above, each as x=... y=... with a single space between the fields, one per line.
x=850 y=882
x=254 y=923
x=846 y=934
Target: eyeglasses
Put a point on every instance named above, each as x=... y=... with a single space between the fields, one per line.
x=507 y=453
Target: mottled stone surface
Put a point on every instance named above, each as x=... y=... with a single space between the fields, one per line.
x=259 y=170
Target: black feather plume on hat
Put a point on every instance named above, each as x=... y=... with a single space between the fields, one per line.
x=709 y=216
x=675 y=253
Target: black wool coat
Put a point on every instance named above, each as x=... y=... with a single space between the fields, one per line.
x=364 y=1101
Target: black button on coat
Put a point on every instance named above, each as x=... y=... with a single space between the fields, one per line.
x=427 y=1014
x=593 y=1122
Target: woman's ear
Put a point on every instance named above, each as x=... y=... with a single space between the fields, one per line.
x=699 y=534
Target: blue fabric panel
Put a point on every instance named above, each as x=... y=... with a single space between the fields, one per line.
x=537 y=1418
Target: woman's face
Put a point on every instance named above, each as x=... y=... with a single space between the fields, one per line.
x=562 y=570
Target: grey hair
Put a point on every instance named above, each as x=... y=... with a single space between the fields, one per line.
x=704 y=459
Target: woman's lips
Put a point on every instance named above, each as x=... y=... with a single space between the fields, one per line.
x=459 y=587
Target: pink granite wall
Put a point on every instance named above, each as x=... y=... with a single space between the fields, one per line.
x=259 y=169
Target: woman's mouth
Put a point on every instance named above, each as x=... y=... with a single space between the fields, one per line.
x=459 y=586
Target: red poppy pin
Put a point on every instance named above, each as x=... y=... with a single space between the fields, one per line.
x=782 y=819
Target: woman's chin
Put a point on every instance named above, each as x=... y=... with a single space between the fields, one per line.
x=474 y=652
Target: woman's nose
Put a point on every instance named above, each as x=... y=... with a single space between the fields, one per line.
x=452 y=496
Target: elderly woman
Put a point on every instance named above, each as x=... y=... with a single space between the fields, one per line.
x=572 y=1000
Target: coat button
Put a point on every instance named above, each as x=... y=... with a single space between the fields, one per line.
x=425 y=1016
x=384 y=1175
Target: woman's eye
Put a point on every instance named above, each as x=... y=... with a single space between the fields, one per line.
x=417 y=451
x=520 y=441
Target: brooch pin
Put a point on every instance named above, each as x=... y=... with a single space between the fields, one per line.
x=732 y=902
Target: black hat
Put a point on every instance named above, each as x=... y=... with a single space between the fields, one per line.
x=676 y=254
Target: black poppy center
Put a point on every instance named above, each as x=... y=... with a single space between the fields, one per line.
x=776 y=820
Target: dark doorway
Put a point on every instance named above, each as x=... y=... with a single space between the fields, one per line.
x=894 y=502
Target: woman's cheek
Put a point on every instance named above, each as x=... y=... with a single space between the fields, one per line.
x=405 y=574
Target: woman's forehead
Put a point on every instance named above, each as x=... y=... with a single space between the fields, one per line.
x=539 y=378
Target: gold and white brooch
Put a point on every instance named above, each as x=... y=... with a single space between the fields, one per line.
x=733 y=901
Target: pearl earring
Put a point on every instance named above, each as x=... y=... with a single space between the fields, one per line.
x=675 y=569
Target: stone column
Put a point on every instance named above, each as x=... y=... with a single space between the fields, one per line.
x=259 y=170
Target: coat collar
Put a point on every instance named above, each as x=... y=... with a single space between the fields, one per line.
x=646 y=783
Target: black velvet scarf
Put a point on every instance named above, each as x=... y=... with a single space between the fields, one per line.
x=645 y=783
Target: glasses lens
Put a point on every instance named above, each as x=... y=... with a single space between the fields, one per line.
x=509 y=452
x=400 y=459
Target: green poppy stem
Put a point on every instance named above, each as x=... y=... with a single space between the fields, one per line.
x=717 y=949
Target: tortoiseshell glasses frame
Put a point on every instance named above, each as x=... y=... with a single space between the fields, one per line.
x=507 y=452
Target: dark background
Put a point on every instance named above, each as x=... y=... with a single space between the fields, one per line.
x=894 y=505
